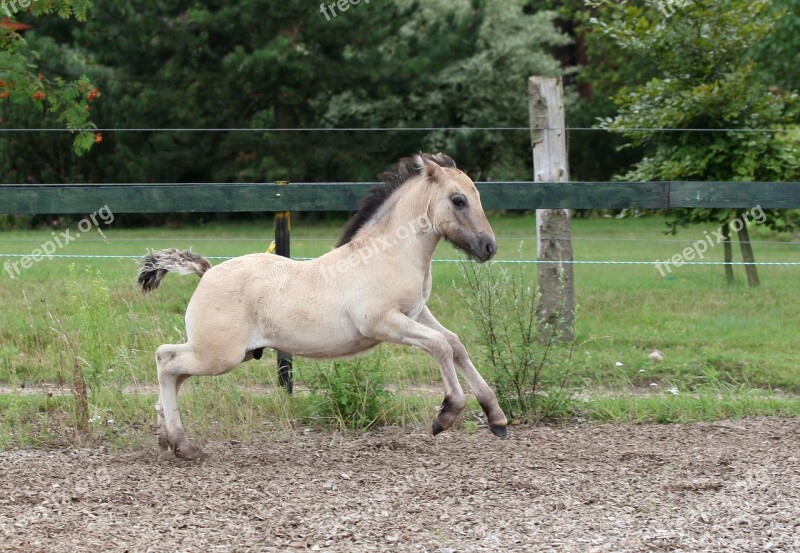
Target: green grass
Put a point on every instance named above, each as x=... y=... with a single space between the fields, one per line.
x=704 y=405
x=720 y=343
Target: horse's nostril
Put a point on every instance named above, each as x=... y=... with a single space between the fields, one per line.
x=491 y=247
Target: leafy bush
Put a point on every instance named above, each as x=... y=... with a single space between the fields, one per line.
x=528 y=371
x=351 y=393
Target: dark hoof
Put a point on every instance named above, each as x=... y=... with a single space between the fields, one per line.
x=188 y=452
x=436 y=428
x=499 y=431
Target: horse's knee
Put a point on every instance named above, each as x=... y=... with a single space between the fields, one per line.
x=441 y=350
x=460 y=355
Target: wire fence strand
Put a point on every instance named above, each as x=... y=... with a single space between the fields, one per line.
x=498 y=261
x=332 y=239
x=380 y=129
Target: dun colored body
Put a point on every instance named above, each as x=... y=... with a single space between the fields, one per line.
x=372 y=288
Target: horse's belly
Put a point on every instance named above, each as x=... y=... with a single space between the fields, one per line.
x=320 y=347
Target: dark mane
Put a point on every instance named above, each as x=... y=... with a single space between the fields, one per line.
x=390 y=180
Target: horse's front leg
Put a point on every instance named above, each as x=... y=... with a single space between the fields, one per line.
x=485 y=395
x=397 y=328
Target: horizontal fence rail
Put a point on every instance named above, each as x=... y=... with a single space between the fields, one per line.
x=243 y=197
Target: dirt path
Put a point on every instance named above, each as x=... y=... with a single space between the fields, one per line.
x=730 y=486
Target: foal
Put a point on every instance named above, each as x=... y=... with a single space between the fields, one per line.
x=372 y=288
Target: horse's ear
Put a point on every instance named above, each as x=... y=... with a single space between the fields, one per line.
x=445 y=160
x=428 y=168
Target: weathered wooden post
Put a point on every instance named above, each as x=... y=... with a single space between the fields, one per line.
x=283 y=225
x=556 y=309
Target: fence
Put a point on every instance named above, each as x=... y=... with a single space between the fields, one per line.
x=282 y=198
x=243 y=197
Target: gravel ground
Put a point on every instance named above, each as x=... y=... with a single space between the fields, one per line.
x=729 y=486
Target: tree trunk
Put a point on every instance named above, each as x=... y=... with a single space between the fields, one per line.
x=726 y=242
x=747 y=251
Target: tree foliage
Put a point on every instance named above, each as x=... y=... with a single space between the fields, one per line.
x=25 y=80
x=778 y=57
x=262 y=64
x=705 y=79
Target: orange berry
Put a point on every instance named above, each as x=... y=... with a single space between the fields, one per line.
x=4 y=94
x=93 y=94
x=98 y=138
x=39 y=95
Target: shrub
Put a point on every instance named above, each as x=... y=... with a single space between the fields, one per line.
x=351 y=393
x=528 y=370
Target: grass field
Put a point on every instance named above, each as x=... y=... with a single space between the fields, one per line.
x=728 y=351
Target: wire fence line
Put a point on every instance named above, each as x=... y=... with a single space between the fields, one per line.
x=382 y=129
x=498 y=261
x=333 y=239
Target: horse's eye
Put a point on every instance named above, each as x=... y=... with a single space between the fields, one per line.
x=459 y=201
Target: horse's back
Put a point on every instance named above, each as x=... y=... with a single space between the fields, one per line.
x=263 y=300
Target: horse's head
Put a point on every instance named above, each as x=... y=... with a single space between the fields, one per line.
x=455 y=209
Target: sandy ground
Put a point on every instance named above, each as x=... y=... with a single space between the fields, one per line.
x=729 y=486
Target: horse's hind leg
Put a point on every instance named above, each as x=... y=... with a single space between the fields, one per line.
x=176 y=363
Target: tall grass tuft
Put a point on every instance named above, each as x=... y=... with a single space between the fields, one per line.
x=351 y=394
x=93 y=329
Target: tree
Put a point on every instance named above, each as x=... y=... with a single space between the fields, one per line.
x=23 y=84
x=261 y=64
x=778 y=56
x=706 y=80
x=485 y=53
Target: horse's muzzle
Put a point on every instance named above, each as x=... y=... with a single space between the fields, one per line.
x=484 y=248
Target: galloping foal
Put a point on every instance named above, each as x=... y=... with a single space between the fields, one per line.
x=372 y=288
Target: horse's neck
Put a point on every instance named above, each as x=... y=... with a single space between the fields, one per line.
x=405 y=232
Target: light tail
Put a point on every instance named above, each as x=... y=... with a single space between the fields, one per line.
x=156 y=264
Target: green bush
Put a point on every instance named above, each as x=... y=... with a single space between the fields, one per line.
x=351 y=393
x=527 y=370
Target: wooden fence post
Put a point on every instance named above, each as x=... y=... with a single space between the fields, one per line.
x=283 y=225
x=556 y=308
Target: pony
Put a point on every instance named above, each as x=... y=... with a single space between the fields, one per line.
x=373 y=287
